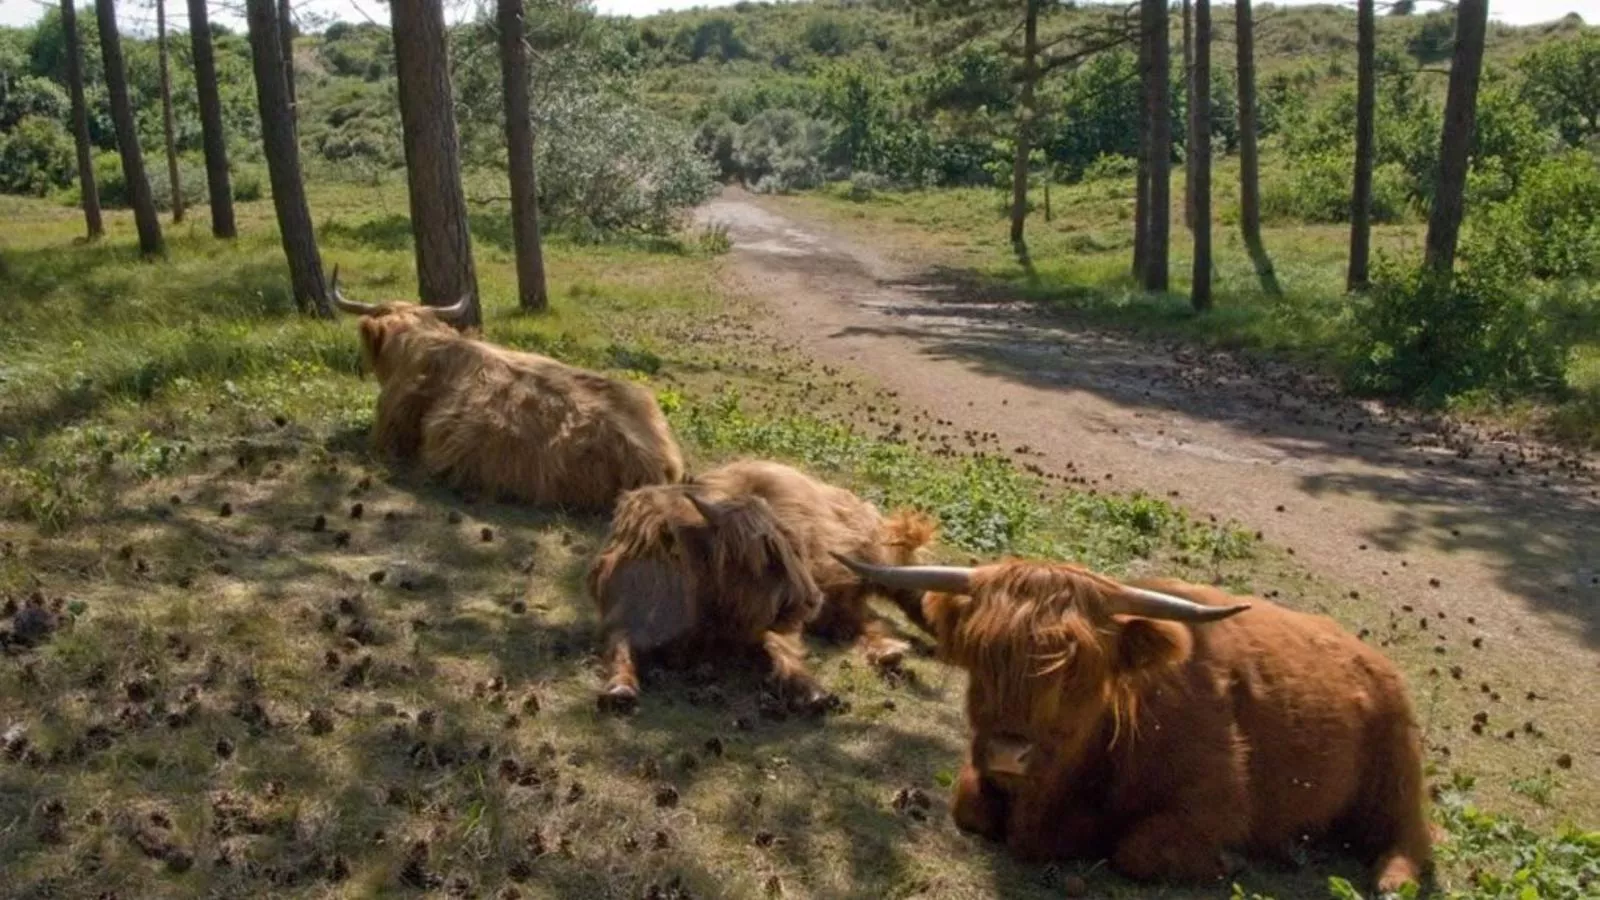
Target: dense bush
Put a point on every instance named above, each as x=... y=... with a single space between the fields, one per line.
x=1486 y=329
x=781 y=150
x=36 y=156
x=1550 y=226
x=1318 y=189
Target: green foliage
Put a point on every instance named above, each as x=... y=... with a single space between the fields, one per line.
x=1562 y=83
x=36 y=156
x=781 y=150
x=1431 y=338
x=1550 y=225
x=1510 y=861
x=1318 y=189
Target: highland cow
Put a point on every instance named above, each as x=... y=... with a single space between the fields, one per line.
x=517 y=425
x=740 y=558
x=1149 y=724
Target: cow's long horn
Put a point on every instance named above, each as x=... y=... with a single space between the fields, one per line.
x=1132 y=601
x=945 y=579
x=455 y=312
x=708 y=509
x=349 y=306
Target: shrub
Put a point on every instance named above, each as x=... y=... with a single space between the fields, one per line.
x=1429 y=338
x=36 y=157
x=1550 y=226
x=865 y=185
x=246 y=184
x=781 y=150
x=1111 y=166
x=1318 y=189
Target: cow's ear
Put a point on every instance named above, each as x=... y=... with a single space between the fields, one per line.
x=1145 y=644
x=372 y=336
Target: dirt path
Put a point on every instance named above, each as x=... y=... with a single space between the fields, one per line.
x=1510 y=532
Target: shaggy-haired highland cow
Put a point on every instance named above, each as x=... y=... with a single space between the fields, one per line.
x=1162 y=724
x=516 y=425
x=741 y=558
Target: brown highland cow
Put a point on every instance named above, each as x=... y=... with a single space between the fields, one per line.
x=517 y=425
x=1149 y=724
x=740 y=558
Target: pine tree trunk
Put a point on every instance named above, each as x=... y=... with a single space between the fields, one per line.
x=169 y=131
x=1189 y=104
x=1159 y=116
x=1025 y=113
x=1249 y=155
x=531 y=292
x=1141 y=202
x=1366 y=105
x=144 y=205
x=286 y=45
x=283 y=161
x=445 y=271
x=1455 y=148
x=80 y=123
x=218 y=187
x=1200 y=156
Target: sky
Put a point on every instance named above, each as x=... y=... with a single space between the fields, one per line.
x=139 y=14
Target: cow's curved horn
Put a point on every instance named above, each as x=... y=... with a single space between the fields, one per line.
x=456 y=311
x=945 y=579
x=709 y=509
x=349 y=306
x=1132 y=601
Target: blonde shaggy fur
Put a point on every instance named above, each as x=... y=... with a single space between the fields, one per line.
x=518 y=425
x=757 y=573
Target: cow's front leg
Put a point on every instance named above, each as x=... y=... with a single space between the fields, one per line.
x=789 y=671
x=621 y=693
x=1172 y=846
x=880 y=645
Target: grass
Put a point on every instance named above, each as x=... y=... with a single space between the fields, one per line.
x=283 y=668
x=1078 y=264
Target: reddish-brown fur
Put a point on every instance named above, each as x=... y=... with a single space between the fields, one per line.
x=1164 y=745
x=756 y=577
x=514 y=424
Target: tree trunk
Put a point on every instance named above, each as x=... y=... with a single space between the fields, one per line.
x=1249 y=155
x=80 y=123
x=1159 y=116
x=167 y=127
x=144 y=205
x=1141 y=202
x=1188 y=82
x=286 y=45
x=1200 y=156
x=531 y=293
x=283 y=161
x=445 y=272
x=1460 y=119
x=1025 y=114
x=218 y=187
x=1366 y=104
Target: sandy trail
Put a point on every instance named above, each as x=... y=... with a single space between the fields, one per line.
x=1363 y=496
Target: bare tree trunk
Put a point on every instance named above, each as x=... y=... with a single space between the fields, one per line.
x=286 y=42
x=1189 y=104
x=283 y=161
x=1025 y=113
x=167 y=127
x=1200 y=156
x=1159 y=114
x=80 y=123
x=1366 y=107
x=1141 y=202
x=144 y=205
x=445 y=272
x=531 y=292
x=218 y=187
x=1460 y=120
x=1249 y=155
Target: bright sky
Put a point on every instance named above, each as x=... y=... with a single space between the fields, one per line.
x=135 y=13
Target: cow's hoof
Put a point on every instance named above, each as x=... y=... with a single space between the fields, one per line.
x=814 y=702
x=619 y=699
x=889 y=655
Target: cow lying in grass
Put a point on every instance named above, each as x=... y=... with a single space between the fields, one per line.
x=740 y=558
x=1156 y=726
x=517 y=425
